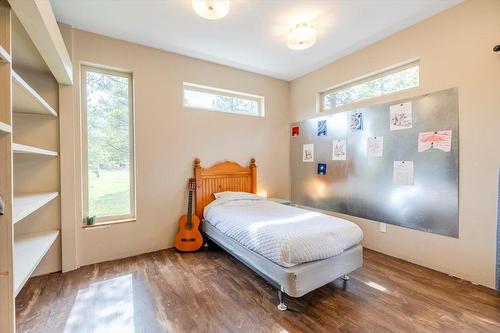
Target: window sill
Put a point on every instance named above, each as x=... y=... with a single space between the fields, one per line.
x=240 y=113
x=107 y=224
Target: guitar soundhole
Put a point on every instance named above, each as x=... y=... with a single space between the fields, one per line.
x=188 y=239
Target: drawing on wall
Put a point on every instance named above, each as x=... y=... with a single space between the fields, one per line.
x=339 y=150
x=356 y=121
x=434 y=141
x=295 y=130
x=322 y=128
x=308 y=153
x=403 y=173
x=322 y=169
x=401 y=116
x=375 y=146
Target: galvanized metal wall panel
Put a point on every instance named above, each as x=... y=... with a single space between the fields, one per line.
x=362 y=186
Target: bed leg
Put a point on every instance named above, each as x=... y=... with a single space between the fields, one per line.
x=345 y=277
x=282 y=306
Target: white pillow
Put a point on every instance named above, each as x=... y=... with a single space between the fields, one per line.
x=229 y=195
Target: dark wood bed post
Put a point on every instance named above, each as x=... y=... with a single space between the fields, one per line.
x=198 y=196
x=253 y=167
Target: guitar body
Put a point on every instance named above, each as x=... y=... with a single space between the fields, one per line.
x=188 y=239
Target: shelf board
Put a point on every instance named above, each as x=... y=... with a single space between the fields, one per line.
x=29 y=250
x=25 y=204
x=26 y=100
x=4 y=55
x=24 y=149
x=5 y=128
x=38 y=20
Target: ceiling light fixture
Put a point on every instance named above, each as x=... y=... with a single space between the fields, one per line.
x=301 y=37
x=211 y=9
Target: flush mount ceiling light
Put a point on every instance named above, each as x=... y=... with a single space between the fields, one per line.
x=301 y=37
x=211 y=9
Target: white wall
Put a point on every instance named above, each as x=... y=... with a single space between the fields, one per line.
x=455 y=50
x=168 y=138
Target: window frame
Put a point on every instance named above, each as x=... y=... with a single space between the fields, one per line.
x=226 y=93
x=85 y=68
x=366 y=78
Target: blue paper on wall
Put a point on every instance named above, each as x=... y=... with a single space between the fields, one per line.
x=322 y=169
x=322 y=128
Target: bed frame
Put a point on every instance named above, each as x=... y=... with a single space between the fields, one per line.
x=294 y=281
x=225 y=176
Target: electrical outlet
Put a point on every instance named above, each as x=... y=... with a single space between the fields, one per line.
x=383 y=227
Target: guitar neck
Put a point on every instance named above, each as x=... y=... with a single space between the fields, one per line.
x=190 y=207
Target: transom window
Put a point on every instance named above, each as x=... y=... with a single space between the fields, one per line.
x=108 y=144
x=215 y=99
x=387 y=82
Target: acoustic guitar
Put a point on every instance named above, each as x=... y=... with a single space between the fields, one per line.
x=189 y=238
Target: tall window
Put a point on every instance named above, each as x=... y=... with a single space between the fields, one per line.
x=386 y=82
x=215 y=99
x=109 y=186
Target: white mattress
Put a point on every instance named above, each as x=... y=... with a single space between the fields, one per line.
x=283 y=234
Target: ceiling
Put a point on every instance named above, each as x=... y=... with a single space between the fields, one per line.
x=253 y=35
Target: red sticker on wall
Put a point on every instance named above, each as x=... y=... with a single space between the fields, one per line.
x=295 y=130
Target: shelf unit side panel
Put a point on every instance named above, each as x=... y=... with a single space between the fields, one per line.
x=7 y=300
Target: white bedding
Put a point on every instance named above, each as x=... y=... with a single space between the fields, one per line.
x=283 y=234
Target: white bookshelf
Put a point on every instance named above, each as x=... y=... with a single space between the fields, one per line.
x=25 y=149
x=26 y=100
x=31 y=48
x=29 y=250
x=5 y=128
x=26 y=204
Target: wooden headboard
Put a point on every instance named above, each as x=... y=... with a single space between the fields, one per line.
x=225 y=176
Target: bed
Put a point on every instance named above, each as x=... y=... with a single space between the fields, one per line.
x=295 y=250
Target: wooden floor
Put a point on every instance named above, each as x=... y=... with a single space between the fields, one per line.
x=212 y=292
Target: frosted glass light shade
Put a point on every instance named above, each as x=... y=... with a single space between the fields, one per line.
x=211 y=9
x=301 y=37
